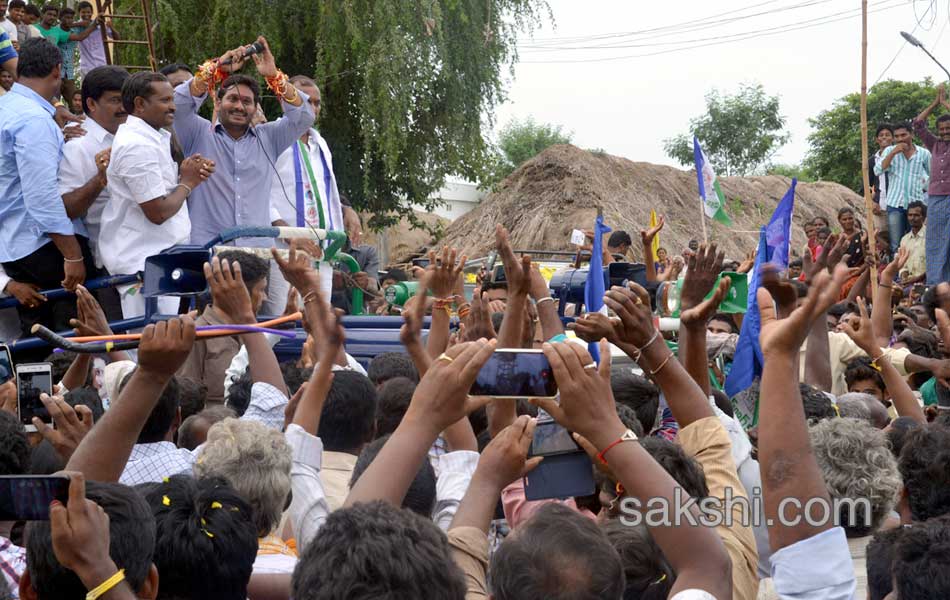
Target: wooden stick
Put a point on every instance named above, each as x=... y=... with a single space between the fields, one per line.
x=868 y=198
x=201 y=334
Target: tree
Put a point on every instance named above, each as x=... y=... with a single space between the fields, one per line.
x=739 y=132
x=799 y=172
x=520 y=141
x=408 y=88
x=835 y=143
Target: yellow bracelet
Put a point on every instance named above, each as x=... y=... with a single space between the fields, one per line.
x=106 y=585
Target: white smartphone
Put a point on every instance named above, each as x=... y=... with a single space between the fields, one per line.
x=33 y=380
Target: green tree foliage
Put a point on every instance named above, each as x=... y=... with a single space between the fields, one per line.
x=835 y=143
x=798 y=172
x=739 y=132
x=409 y=87
x=522 y=140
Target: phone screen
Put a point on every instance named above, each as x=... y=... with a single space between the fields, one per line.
x=6 y=364
x=551 y=439
x=515 y=374
x=27 y=498
x=30 y=385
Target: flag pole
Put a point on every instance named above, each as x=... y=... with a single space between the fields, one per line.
x=702 y=219
x=868 y=198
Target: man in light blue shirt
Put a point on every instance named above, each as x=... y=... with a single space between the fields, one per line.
x=39 y=242
x=238 y=194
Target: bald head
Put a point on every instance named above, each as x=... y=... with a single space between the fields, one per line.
x=309 y=87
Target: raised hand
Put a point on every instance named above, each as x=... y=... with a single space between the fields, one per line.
x=165 y=346
x=701 y=313
x=861 y=331
x=593 y=327
x=505 y=459
x=632 y=306
x=71 y=425
x=647 y=235
x=704 y=268
x=444 y=273
x=478 y=324
x=8 y=397
x=441 y=397
x=517 y=272
x=298 y=269
x=539 y=287
x=895 y=266
x=836 y=252
x=229 y=295
x=746 y=265
x=943 y=326
x=785 y=337
x=91 y=320
x=264 y=61
x=586 y=401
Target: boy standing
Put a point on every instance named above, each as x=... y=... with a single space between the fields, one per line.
x=92 y=51
x=66 y=40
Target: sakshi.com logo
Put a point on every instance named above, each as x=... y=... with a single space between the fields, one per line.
x=742 y=510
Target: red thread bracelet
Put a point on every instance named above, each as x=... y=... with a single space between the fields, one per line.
x=628 y=436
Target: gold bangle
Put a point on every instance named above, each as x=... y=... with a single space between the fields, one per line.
x=662 y=364
x=106 y=585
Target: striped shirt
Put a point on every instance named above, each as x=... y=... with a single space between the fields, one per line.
x=908 y=177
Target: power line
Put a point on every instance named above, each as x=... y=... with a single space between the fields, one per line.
x=761 y=33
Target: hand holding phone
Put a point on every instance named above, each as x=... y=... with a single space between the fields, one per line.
x=27 y=497
x=33 y=380
x=511 y=373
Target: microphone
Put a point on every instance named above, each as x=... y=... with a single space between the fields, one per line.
x=255 y=48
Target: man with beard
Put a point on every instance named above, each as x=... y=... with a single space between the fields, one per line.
x=146 y=212
x=245 y=155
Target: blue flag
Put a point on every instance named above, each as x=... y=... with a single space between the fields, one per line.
x=596 y=283
x=747 y=363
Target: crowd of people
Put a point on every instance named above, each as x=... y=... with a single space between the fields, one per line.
x=203 y=467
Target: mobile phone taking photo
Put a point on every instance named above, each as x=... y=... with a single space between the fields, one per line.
x=6 y=364
x=33 y=380
x=515 y=374
x=27 y=497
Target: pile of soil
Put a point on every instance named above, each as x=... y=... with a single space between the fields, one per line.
x=562 y=188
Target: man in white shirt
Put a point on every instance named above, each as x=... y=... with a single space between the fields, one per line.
x=82 y=170
x=305 y=194
x=7 y=25
x=146 y=212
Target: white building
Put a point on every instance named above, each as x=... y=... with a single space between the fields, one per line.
x=460 y=196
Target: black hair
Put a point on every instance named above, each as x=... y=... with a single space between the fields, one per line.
x=84 y=4
x=880 y=557
x=349 y=414
x=921 y=568
x=420 y=497
x=903 y=125
x=239 y=79
x=392 y=402
x=188 y=437
x=139 y=85
x=239 y=394
x=638 y=393
x=164 y=413
x=253 y=267
x=46 y=460
x=557 y=553
x=16 y=4
x=131 y=543
x=685 y=469
x=38 y=58
x=727 y=319
x=496 y=320
x=840 y=309
x=193 y=396
x=49 y=7
x=918 y=203
x=943 y=118
x=860 y=369
x=395 y=274
x=649 y=576
x=824 y=231
x=32 y=10
x=87 y=397
x=100 y=80
x=898 y=431
x=884 y=127
x=66 y=11
x=619 y=237
x=845 y=210
x=174 y=68
x=14 y=447
x=60 y=362
x=924 y=465
x=629 y=418
x=389 y=365
x=206 y=542
x=723 y=402
x=294 y=376
x=817 y=405
x=375 y=550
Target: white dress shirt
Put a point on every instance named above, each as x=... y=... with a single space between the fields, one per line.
x=283 y=194
x=816 y=568
x=77 y=167
x=141 y=169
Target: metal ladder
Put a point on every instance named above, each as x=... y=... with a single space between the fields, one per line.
x=105 y=8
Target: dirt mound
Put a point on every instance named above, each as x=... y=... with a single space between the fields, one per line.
x=560 y=190
x=402 y=240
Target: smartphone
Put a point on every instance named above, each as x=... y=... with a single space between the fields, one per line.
x=33 y=380
x=27 y=497
x=6 y=364
x=512 y=373
x=566 y=470
x=420 y=262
